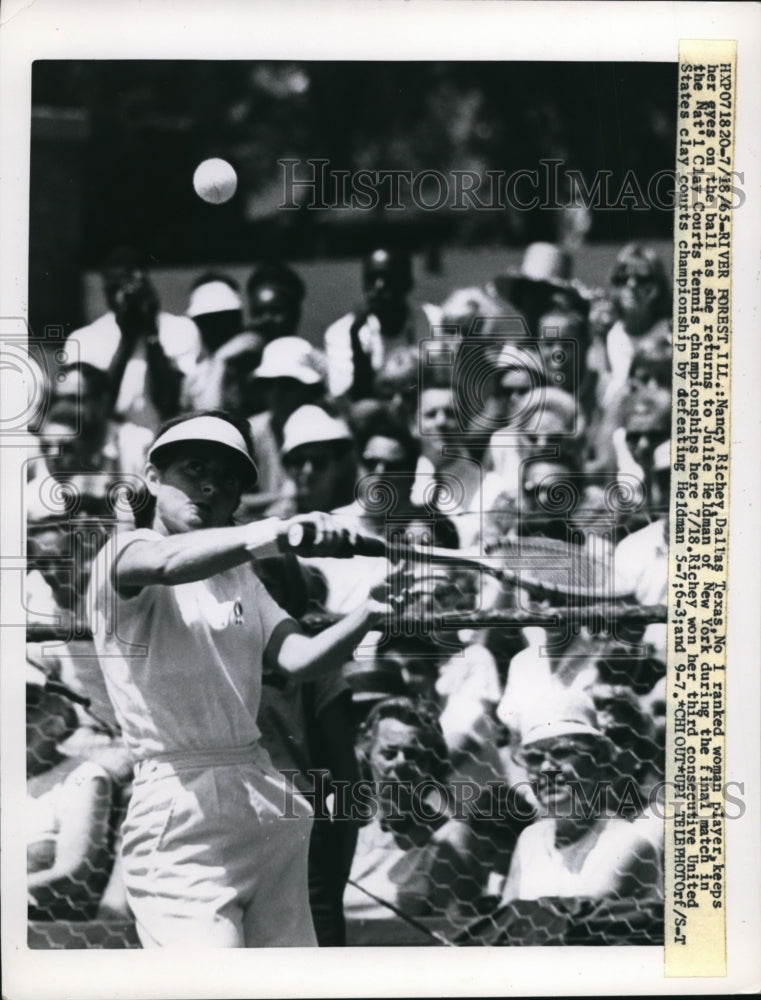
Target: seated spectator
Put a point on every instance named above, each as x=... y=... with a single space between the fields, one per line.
x=645 y=413
x=387 y=458
x=357 y=344
x=641 y=559
x=275 y=296
x=228 y=354
x=543 y=282
x=291 y=375
x=548 y=497
x=318 y=456
x=573 y=850
x=56 y=581
x=554 y=429
x=627 y=724
x=641 y=293
x=562 y=360
x=144 y=350
x=454 y=669
x=411 y=853
x=396 y=383
x=68 y=806
x=80 y=446
x=472 y=314
x=372 y=681
x=448 y=479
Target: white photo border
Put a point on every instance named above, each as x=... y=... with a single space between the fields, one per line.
x=402 y=30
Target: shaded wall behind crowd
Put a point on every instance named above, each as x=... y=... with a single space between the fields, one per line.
x=122 y=173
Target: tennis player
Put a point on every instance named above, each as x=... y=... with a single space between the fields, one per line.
x=184 y=629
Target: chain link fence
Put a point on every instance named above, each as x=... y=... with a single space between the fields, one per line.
x=467 y=833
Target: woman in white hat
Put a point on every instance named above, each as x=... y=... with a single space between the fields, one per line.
x=581 y=845
x=214 y=843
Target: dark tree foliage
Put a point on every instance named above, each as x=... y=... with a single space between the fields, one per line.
x=150 y=123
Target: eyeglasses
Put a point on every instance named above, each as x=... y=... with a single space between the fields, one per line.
x=623 y=277
x=559 y=753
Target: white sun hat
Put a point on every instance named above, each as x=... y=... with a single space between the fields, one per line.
x=563 y=712
x=312 y=425
x=213 y=297
x=292 y=357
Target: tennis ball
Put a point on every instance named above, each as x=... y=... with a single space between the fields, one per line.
x=215 y=181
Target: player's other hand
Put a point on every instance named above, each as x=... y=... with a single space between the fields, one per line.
x=394 y=595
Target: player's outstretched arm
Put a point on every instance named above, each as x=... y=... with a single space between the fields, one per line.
x=196 y=555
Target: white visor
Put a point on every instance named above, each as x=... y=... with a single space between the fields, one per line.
x=209 y=429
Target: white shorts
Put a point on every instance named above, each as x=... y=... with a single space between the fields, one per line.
x=215 y=848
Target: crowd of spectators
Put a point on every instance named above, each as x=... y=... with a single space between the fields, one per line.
x=448 y=764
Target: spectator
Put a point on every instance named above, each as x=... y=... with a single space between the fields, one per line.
x=396 y=384
x=573 y=850
x=144 y=350
x=472 y=314
x=68 y=805
x=388 y=456
x=291 y=375
x=641 y=293
x=228 y=354
x=554 y=430
x=372 y=681
x=448 y=479
x=548 y=497
x=543 y=282
x=411 y=853
x=626 y=723
x=275 y=295
x=646 y=417
x=79 y=445
x=562 y=346
x=357 y=344
x=455 y=670
x=318 y=456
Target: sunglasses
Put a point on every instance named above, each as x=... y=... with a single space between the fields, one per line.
x=621 y=278
x=559 y=753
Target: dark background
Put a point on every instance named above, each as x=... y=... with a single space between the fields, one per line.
x=115 y=144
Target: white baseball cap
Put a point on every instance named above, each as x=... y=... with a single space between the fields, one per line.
x=213 y=297
x=292 y=357
x=310 y=425
x=214 y=430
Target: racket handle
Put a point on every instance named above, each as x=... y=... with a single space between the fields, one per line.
x=300 y=539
